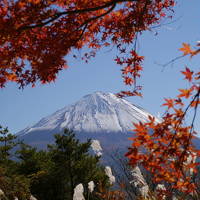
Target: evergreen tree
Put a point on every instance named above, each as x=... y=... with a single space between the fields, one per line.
x=55 y=173
x=30 y=160
x=37 y=166
x=7 y=143
x=67 y=154
x=72 y=165
x=11 y=183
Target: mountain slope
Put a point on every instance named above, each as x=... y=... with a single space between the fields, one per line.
x=97 y=112
x=100 y=116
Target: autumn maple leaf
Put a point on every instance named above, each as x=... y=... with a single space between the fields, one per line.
x=128 y=80
x=188 y=74
x=186 y=49
x=169 y=103
x=11 y=77
x=185 y=93
x=195 y=103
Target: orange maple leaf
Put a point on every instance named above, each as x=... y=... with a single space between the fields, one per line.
x=185 y=93
x=179 y=102
x=126 y=70
x=188 y=74
x=11 y=77
x=140 y=129
x=169 y=103
x=128 y=80
x=186 y=49
x=195 y=103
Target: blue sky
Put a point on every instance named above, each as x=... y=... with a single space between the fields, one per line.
x=20 y=108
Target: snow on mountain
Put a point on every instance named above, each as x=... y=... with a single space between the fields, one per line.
x=97 y=112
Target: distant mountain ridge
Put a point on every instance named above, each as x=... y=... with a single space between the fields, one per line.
x=100 y=115
x=97 y=112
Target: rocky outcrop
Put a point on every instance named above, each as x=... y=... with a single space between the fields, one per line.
x=32 y=197
x=109 y=174
x=78 y=192
x=139 y=183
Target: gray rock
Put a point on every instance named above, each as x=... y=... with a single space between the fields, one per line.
x=139 y=182
x=32 y=197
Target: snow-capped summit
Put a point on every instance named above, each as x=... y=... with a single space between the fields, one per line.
x=97 y=112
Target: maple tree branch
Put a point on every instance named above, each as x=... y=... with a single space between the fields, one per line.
x=97 y=17
x=194 y=116
x=59 y=14
x=195 y=109
x=183 y=116
x=83 y=31
x=85 y=24
x=169 y=62
x=196 y=96
x=181 y=159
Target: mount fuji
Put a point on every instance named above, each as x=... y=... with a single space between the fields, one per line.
x=101 y=116
x=95 y=112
